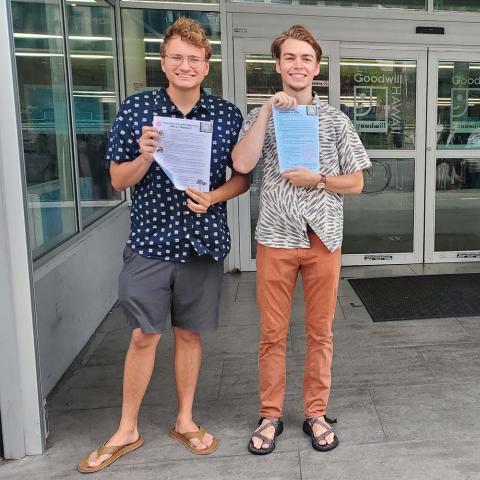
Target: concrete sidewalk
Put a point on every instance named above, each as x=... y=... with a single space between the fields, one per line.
x=406 y=394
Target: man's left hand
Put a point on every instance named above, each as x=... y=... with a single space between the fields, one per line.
x=301 y=177
x=199 y=202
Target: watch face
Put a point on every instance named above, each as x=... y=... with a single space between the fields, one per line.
x=320 y=185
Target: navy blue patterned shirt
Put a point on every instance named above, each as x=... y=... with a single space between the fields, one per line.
x=162 y=225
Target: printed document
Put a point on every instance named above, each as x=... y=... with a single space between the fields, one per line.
x=184 y=151
x=296 y=134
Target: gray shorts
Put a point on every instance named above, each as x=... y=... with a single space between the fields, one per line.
x=149 y=289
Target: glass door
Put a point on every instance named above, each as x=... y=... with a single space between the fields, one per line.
x=255 y=81
x=382 y=91
x=452 y=228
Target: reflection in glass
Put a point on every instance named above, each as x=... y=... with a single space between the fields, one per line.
x=413 y=4
x=459 y=5
x=40 y=62
x=379 y=97
x=381 y=219
x=143 y=32
x=457 y=204
x=262 y=82
x=91 y=39
x=458 y=117
x=214 y=2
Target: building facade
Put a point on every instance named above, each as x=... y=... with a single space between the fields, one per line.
x=407 y=73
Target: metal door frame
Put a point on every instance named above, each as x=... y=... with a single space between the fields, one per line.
x=435 y=56
x=418 y=54
x=334 y=50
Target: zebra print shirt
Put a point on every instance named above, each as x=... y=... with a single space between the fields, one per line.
x=285 y=210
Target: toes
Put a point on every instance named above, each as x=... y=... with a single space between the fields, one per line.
x=328 y=440
x=207 y=440
x=197 y=444
x=94 y=461
x=257 y=443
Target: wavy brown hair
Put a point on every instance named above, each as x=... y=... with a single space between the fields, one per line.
x=189 y=31
x=297 y=32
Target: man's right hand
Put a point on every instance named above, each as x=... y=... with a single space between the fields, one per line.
x=280 y=100
x=148 y=143
x=248 y=150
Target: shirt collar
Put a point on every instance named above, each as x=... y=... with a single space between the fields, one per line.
x=164 y=102
x=316 y=99
x=205 y=103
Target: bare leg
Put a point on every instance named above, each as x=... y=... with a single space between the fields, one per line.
x=188 y=359
x=138 y=369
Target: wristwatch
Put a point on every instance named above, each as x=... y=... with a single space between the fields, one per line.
x=322 y=183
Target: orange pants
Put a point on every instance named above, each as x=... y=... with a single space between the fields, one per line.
x=277 y=272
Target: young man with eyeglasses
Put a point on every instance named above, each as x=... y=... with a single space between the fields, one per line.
x=299 y=229
x=173 y=260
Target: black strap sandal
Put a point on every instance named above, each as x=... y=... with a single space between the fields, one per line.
x=272 y=422
x=327 y=424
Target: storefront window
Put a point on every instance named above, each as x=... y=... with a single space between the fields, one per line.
x=381 y=219
x=214 y=2
x=412 y=4
x=379 y=96
x=91 y=44
x=45 y=103
x=457 y=199
x=458 y=110
x=459 y=5
x=143 y=32
x=41 y=67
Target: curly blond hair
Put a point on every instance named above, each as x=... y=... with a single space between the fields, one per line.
x=297 y=32
x=189 y=31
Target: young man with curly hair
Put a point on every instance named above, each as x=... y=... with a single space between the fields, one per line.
x=173 y=260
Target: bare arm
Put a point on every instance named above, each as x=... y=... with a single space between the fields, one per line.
x=237 y=184
x=247 y=151
x=347 y=183
x=128 y=174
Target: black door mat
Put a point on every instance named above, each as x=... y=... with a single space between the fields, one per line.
x=419 y=296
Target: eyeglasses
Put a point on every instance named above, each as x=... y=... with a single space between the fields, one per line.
x=177 y=60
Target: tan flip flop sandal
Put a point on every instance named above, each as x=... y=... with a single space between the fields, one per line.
x=187 y=436
x=116 y=452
